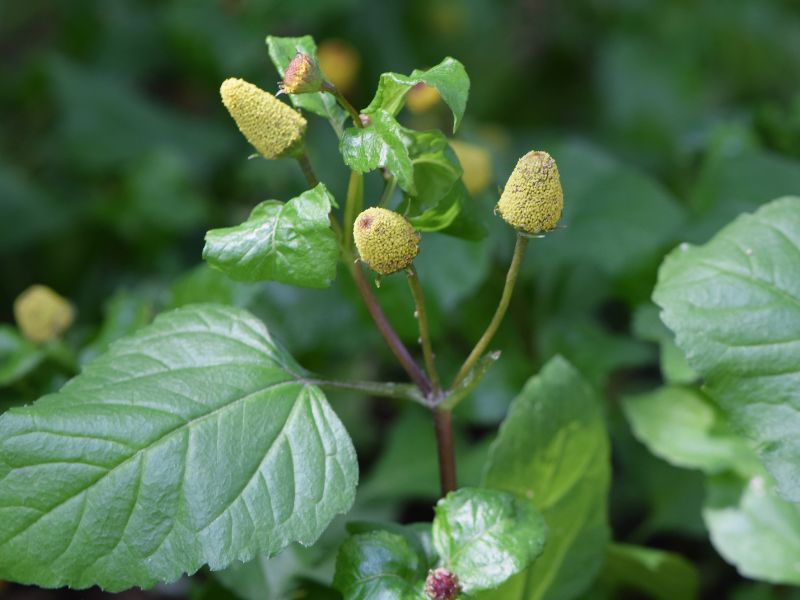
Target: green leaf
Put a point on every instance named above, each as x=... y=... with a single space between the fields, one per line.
x=734 y=305
x=196 y=441
x=553 y=449
x=261 y=577
x=448 y=77
x=753 y=528
x=660 y=575
x=647 y=325
x=681 y=426
x=383 y=143
x=289 y=242
x=486 y=536
x=282 y=50
x=18 y=356
x=440 y=192
x=379 y=565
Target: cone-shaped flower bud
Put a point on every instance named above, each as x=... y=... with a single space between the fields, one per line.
x=41 y=314
x=302 y=76
x=441 y=584
x=385 y=240
x=532 y=199
x=272 y=127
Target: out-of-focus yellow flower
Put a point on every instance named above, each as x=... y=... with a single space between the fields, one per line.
x=422 y=98
x=41 y=314
x=339 y=63
x=477 y=165
x=273 y=128
x=532 y=200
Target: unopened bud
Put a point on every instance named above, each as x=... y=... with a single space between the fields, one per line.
x=532 y=200
x=272 y=127
x=385 y=240
x=441 y=584
x=302 y=76
x=41 y=314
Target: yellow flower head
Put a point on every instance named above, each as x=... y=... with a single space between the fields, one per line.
x=272 y=127
x=41 y=314
x=532 y=199
x=477 y=165
x=385 y=240
x=302 y=76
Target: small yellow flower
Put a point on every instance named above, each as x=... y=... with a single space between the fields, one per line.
x=272 y=127
x=302 y=76
x=41 y=314
x=421 y=98
x=477 y=165
x=385 y=240
x=340 y=63
x=532 y=200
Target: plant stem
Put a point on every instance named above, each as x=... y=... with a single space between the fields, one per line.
x=387 y=331
x=443 y=424
x=305 y=165
x=400 y=391
x=353 y=206
x=424 y=332
x=332 y=89
x=388 y=191
x=505 y=298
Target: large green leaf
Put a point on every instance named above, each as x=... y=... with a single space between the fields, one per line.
x=291 y=242
x=383 y=143
x=753 y=528
x=486 y=536
x=553 y=449
x=379 y=565
x=659 y=574
x=647 y=325
x=448 y=77
x=195 y=441
x=681 y=426
x=734 y=305
x=282 y=50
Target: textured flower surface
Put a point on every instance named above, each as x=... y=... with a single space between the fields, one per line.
x=441 y=584
x=385 y=240
x=532 y=200
x=302 y=76
x=272 y=127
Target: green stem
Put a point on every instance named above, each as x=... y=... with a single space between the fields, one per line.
x=388 y=191
x=443 y=424
x=424 y=331
x=400 y=391
x=305 y=165
x=332 y=89
x=505 y=298
x=353 y=206
x=385 y=328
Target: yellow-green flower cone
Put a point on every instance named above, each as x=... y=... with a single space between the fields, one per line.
x=41 y=314
x=272 y=127
x=385 y=240
x=532 y=200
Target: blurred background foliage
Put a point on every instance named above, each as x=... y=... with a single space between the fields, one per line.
x=666 y=118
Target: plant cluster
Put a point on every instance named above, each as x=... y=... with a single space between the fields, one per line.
x=199 y=440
